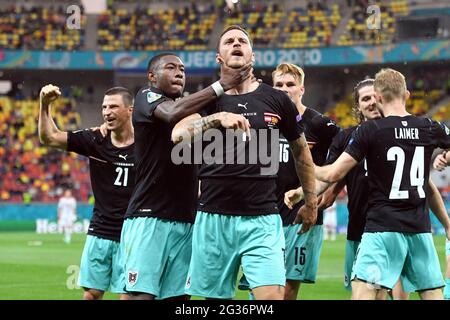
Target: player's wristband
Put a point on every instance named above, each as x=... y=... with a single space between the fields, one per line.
x=218 y=89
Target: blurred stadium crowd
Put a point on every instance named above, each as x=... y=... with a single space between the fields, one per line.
x=34 y=173
x=132 y=25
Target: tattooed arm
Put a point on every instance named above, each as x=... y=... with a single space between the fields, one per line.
x=191 y=128
x=305 y=171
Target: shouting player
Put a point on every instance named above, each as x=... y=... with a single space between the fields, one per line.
x=111 y=164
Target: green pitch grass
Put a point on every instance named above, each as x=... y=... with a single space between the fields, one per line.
x=43 y=267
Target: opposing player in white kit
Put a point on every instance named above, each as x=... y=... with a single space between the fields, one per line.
x=67 y=214
x=330 y=223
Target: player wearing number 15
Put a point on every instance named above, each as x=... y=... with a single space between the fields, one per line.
x=111 y=164
x=397 y=239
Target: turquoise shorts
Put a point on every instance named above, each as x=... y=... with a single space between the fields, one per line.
x=157 y=254
x=384 y=257
x=351 y=248
x=102 y=265
x=303 y=252
x=447 y=247
x=222 y=243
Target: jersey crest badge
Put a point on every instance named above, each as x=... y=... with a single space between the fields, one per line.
x=132 y=277
x=271 y=119
x=404 y=123
x=151 y=96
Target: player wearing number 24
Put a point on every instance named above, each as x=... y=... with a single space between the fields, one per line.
x=397 y=237
x=111 y=164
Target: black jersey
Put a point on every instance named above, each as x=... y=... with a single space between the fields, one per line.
x=242 y=189
x=319 y=132
x=357 y=183
x=163 y=189
x=112 y=174
x=398 y=152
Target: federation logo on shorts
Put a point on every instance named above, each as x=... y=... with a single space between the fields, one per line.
x=188 y=282
x=151 y=96
x=271 y=119
x=132 y=277
x=346 y=281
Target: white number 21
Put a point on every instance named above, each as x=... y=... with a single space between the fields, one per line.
x=121 y=171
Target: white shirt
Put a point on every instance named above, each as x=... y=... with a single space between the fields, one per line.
x=67 y=207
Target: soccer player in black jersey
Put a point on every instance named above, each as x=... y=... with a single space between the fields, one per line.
x=365 y=108
x=397 y=238
x=111 y=164
x=156 y=235
x=302 y=251
x=238 y=221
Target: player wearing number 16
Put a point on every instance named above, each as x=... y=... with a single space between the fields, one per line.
x=397 y=239
x=111 y=164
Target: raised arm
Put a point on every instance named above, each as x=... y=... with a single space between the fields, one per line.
x=49 y=134
x=337 y=170
x=438 y=207
x=305 y=171
x=173 y=111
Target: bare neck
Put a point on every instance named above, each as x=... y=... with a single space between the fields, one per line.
x=245 y=87
x=300 y=106
x=123 y=137
x=395 y=108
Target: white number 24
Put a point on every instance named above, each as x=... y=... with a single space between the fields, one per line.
x=416 y=174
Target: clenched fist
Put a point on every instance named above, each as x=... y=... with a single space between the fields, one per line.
x=48 y=94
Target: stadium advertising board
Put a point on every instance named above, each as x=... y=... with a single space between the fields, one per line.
x=204 y=60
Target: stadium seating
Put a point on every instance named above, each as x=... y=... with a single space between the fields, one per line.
x=186 y=28
x=38 y=28
x=312 y=26
x=357 y=31
x=28 y=168
x=263 y=22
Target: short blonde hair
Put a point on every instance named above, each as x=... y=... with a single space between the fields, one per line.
x=290 y=68
x=390 y=84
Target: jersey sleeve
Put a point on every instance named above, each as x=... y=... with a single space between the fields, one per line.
x=441 y=135
x=83 y=141
x=337 y=147
x=359 y=142
x=145 y=104
x=290 y=125
x=331 y=129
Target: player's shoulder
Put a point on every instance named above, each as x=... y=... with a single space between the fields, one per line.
x=437 y=124
x=269 y=91
x=369 y=127
x=149 y=94
x=93 y=135
x=319 y=118
x=343 y=134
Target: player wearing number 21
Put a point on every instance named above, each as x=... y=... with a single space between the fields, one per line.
x=111 y=164
x=397 y=239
